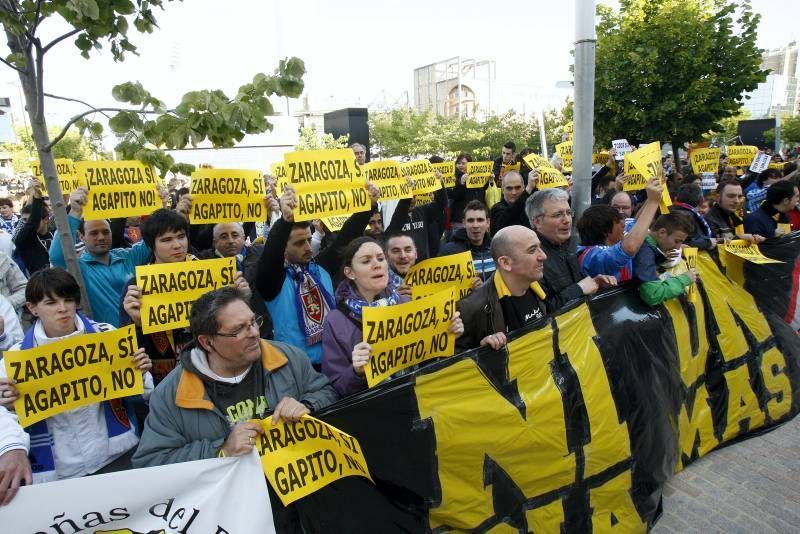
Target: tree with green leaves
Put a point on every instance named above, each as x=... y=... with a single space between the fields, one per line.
x=790 y=131
x=311 y=139
x=148 y=126
x=407 y=132
x=671 y=70
x=72 y=146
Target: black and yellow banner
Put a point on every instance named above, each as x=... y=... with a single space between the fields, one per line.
x=578 y=423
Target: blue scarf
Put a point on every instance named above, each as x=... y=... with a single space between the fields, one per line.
x=347 y=294
x=705 y=228
x=119 y=418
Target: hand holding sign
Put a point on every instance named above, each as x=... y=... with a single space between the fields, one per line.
x=289 y=410
x=132 y=304
x=8 y=393
x=361 y=355
x=288 y=202
x=241 y=439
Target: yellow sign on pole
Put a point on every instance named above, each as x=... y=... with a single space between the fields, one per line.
x=407 y=334
x=169 y=289
x=479 y=172
x=76 y=371
x=564 y=151
x=302 y=457
x=436 y=274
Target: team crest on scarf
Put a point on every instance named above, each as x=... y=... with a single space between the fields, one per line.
x=119 y=412
x=312 y=301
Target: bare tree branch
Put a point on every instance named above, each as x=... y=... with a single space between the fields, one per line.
x=57 y=40
x=12 y=66
x=70 y=99
x=78 y=117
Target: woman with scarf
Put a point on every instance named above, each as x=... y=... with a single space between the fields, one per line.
x=366 y=283
x=90 y=439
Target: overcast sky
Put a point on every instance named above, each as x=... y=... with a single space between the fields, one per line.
x=359 y=53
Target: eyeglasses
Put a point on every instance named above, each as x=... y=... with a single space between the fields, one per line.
x=256 y=322
x=561 y=214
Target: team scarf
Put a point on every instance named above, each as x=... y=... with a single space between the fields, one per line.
x=706 y=229
x=355 y=303
x=312 y=301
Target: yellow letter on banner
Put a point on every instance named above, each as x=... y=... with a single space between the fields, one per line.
x=334 y=224
x=448 y=171
x=636 y=180
x=303 y=457
x=118 y=189
x=704 y=160
x=76 y=371
x=227 y=195
x=614 y=499
x=536 y=161
x=748 y=251
x=67 y=178
x=386 y=176
x=479 y=172
x=564 y=151
x=550 y=178
x=319 y=200
x=169 y=289
x=647 y=160
x=741 y=155
x=473 y=421
x=407 y=334
x=421 y=172
x=322 y=166
x=430 y=276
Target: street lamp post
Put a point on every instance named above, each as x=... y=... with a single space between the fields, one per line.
x=585 y=40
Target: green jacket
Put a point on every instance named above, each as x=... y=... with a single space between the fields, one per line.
x=654 y=290
x=184 y=425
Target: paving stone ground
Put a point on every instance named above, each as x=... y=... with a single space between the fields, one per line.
x=750 y=487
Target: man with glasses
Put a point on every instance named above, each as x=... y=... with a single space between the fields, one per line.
x=551 y=217
x=227 y=377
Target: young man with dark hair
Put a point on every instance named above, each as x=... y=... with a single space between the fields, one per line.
x=756 y=192
x=473 y=236
x=723 y=217
x=662 y=245
x=508 y=157
x=781 y=198
x=297 y=287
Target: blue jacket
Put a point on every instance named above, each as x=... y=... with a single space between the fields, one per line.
x=606 y=259
x=105 y=284
x=764 y=221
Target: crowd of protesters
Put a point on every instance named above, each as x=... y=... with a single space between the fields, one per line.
x=286 y=339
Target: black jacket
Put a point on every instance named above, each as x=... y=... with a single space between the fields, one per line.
x=698 y=237
x=462 y=195
x=424 y=224
x=561 y=273
x=722 y=222
x=504 y=214
x=32 y=248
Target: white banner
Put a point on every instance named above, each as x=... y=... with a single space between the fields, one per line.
x=217 y=496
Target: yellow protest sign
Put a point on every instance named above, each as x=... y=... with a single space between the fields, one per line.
x=318 y=200
x=569 y=130
x=227 y=195
x=549 y=177
x=421 y=172
x=778 y=166
x=386 y=176
x=704 y=160
x=116 y=174
x=118 y=189
x=599 y=157
x=564 y=151
x=334 y=224
x=478 y=173
x=424 y=198
x=67 y=178
x=448 y=171
x=408 y=334
x=76 y=371
x=169 y=289
x=278 y=170
x=535 y=161
x=636 y=180
x=783 y=229
x=302 y=457
x=665 y=202
x=646 y=160
x=508 y=167
x=436 y=274
x=741 y=155
x=690 y=255
x=322 y=166
x=748 y=251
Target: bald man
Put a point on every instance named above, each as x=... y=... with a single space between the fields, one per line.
x=512 y=297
